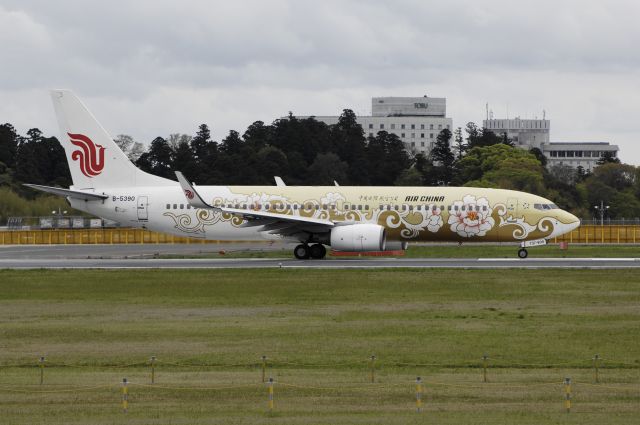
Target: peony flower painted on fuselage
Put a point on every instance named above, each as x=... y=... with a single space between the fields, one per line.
x=434 y=221
x=474 y=220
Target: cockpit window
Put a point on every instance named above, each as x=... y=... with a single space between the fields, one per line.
x=545 y=206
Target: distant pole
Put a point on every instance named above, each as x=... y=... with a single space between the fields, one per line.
x=264 y=367
x=418 y=394
x=567 y=394
x=270 y=386
x=372 y=367
x=484 y=366
x=596 y=365
x=125 y=395
x=153 y=369
x=42 y=359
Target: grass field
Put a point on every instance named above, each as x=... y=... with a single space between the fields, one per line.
x=208 y=330
x=450 y=251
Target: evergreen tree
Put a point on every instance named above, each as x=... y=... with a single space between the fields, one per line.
x=443 y=158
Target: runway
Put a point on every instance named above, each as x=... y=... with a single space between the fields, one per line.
x=286 y=263
x=150 y=256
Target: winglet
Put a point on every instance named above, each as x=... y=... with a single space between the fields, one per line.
x=279 y=181
x=193 y=197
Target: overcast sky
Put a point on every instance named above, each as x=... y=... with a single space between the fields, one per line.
x=150 y=68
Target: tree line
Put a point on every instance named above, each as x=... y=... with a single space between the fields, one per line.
x=304 y=151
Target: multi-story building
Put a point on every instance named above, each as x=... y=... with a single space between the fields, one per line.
x=528 y=134
x=525 y=133
x=415 y=120
x=576 y=154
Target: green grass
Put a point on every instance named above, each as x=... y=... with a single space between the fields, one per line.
x=318 y=328
x=450 y=251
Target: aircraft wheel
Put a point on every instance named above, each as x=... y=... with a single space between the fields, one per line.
x=317 y=251
x=301 y=252
x=522 y=253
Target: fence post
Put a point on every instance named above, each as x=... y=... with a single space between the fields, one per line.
x=372 y=367
x=153 y=369
x=42 y=359
x=418 y=394
x=484 y=366
x=596 y=365
x=125 y=395
x=264 y=367
x=270 y=386
x=567 y=394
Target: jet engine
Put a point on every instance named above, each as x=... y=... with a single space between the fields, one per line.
x=358 y=237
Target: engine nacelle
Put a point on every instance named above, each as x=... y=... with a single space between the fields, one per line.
x=358 y=237
x=396 y=246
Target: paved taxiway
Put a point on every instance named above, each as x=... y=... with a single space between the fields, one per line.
x=241 y=263
x=143 y=256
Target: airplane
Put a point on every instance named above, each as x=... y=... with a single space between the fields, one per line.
x=346 y=218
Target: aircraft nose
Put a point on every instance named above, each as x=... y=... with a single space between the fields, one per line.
x=571 y=221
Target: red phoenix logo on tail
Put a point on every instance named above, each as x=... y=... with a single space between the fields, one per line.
x=90 y=155
x=188 y=193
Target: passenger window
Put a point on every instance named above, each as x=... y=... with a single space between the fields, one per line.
x=441 y=207
x=484 y=208
x=324 y=206
x=295 y=206
x=360 y=207
x=463 y=208
x=168 y=206
x=366 y=207
x=410 y=207
x=455 y=208
x=181 y=206
x=175 y=206
x=188 y=206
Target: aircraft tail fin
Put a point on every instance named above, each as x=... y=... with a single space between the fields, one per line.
x=94 y=158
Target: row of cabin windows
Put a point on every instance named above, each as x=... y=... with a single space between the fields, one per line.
x=354 y=207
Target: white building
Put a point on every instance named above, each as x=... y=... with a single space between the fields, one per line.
x=525 y=133
x=575 y=154
x=528 y=134
x=415 y=120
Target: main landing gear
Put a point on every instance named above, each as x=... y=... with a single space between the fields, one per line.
x=522 y=253
x=304 y=251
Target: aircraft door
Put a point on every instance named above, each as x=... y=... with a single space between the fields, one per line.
x=143 y=212
x=512 y=208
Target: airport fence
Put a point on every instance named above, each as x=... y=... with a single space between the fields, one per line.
x=397 y=383
x=585 y=234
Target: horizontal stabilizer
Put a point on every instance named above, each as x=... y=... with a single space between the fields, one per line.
x=85 y=196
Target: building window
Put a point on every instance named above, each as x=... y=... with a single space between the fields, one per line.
x=413 y=126
x=413 y=135
x=439 y=126
x=431 y=135
x=370 y=134
x=430 y=126
x=421 y=126
x=422 y=135
x=402 y=135
x=393 y=126
x=448 y=127
x=422 y=144
x=381 y=126
x=371 y=126
x=413 y=144
x=402 y=126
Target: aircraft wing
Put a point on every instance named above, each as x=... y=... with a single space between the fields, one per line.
x=275 y=222
x=85 y=196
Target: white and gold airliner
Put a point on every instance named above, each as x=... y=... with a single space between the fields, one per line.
x=347 y=218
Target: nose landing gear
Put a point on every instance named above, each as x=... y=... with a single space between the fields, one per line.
x=523 y=253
